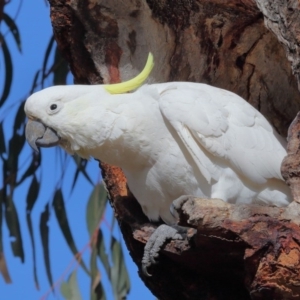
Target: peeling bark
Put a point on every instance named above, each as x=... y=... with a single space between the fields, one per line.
x=290 y=167
x=224 y=44
x=265 y=240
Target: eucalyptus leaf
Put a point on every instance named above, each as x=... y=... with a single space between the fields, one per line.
x=62 y=219
x=15 y=145
x=2 y=140
x=95 y=207
x=35 y=79
x=70 y=289
x=31 y=234
x=102 y=253
x=60 y=69
x=44 y=231
x=20 y=117
x=34 y=165
x=8 y=70
x=31 y=199
x=13 y=224
x=32 y=193
x=46 y=58
x=81 y=168
x=17 y=141
x=14 y=29
x=97 y=291
x=94 y=213
x=2 y=197
x=3 y=269
x=119 y=275
x=3 y=266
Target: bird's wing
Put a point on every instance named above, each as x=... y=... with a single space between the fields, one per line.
x=218 y=128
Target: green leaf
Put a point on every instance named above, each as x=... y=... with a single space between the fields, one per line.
x=17 y=141
x=113 y=222
x=31 y=199
x=94 y=213
x=8 y=70
x=60 y=69
x=70 y=289
x=35 y=79
x=102 y=253
x=46 y=58
x=32 y=194
x=62 y=219
x=2 y=197
x=81 y=165
x=97 y=291
x=44 y=231
x=30 y=228
x=95 y=207
x=15 y=145
x=20 y=118
x=4 y=269
x=3 y=266
x=34 y=165
x=12 y=221
x=2 y=140
x=119 y=275
x=14 y=29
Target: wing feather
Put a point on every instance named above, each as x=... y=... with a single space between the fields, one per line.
x=214 y=123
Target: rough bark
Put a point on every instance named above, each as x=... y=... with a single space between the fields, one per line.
x=222 y=43
x=290 y=167
x=282 y=17
x=258 y=245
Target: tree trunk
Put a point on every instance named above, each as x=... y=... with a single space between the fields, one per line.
x=224 y=44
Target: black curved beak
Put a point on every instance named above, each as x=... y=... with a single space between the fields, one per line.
x=38 y=135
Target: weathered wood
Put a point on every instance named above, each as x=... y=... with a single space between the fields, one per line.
x=282 y=18
x=265 y=239
x=225 y=44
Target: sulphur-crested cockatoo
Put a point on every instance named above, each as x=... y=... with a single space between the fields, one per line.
x=170 y=139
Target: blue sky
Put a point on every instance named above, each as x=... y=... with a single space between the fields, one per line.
x=34 y=24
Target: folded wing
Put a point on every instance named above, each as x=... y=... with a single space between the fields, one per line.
x=220 y=129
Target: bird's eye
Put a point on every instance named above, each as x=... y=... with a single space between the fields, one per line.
x=53 y=106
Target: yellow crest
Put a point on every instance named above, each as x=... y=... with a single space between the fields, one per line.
x=134 y=83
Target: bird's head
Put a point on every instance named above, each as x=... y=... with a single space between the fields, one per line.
x=55 y=114
x=51 y=114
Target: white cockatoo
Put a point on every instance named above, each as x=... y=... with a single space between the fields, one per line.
x=170 y=139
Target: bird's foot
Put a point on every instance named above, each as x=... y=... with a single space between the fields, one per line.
x=156 y=241
x=177 y=204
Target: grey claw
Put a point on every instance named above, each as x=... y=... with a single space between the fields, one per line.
x=155 y=243
x=145 y=271
x=177 y=204
x=153 y=261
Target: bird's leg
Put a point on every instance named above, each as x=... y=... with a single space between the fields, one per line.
x=159 y=237
x=162 y=234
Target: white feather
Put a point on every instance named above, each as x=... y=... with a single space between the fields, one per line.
x=172 y=139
